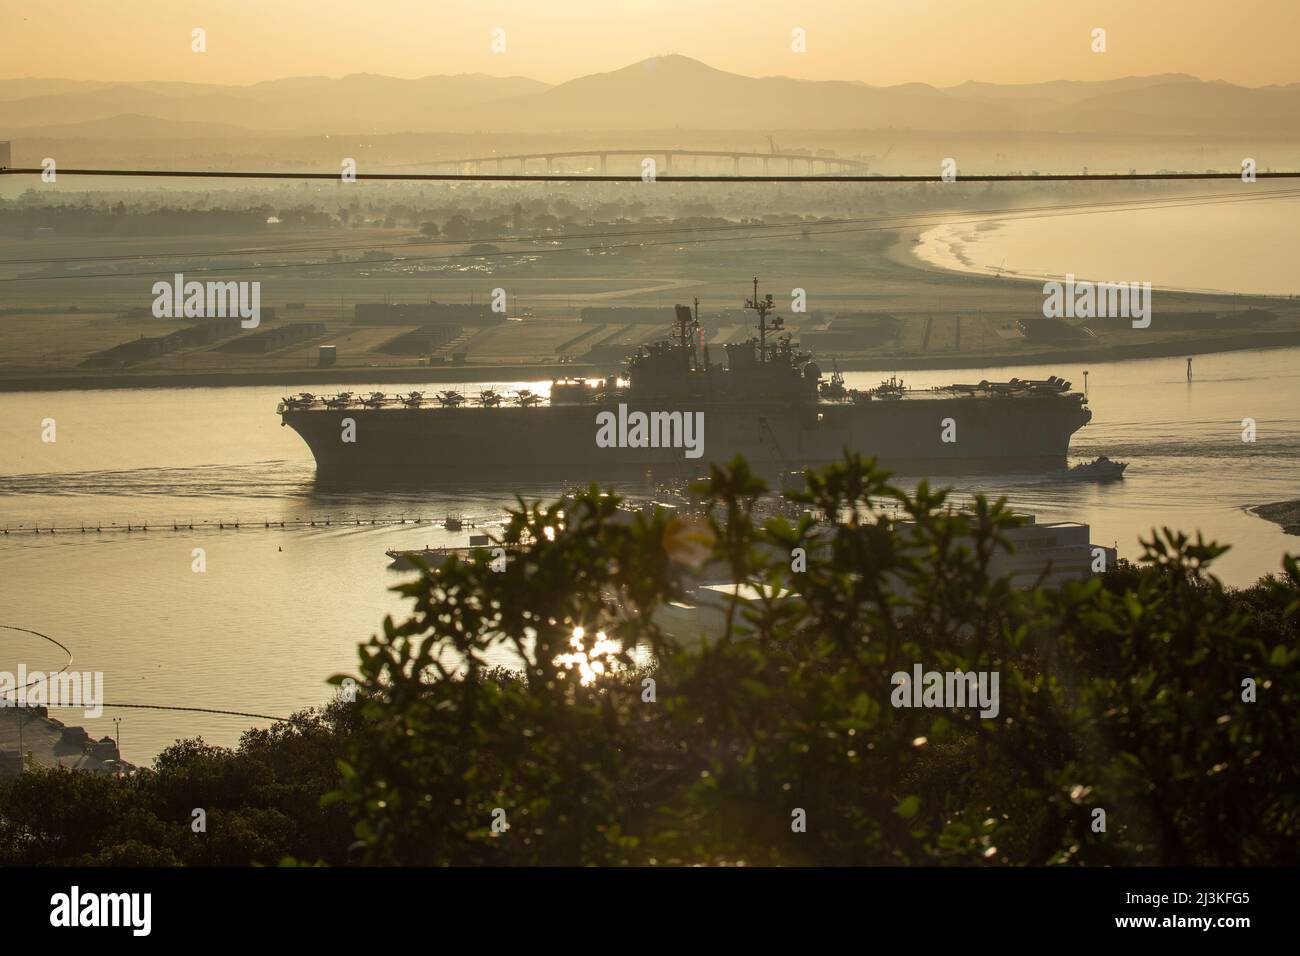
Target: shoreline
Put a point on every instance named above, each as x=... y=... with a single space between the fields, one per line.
x=1259 y=341
x=1244 y=342
x=52 y=744
x=962 y=266
x=897 y=277
x=1284 y=514
x=902 y=253
x=334 y=375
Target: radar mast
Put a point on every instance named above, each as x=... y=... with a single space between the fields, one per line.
x=764 y=306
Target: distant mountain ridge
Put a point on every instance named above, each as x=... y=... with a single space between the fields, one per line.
x=357 y=103
x=659 y=93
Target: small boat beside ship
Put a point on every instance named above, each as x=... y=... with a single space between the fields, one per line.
x=402 y=558
x=1099 y=469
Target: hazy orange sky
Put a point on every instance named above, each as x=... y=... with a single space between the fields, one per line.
x=877 y=41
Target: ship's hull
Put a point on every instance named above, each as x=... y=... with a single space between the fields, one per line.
x=913 y=436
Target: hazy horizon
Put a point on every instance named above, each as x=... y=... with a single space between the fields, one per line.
x=345 y=74
x=887 y=44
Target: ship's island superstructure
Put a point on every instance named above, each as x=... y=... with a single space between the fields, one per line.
x=678 y=409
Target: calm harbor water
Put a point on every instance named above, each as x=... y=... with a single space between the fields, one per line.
x=280 y=610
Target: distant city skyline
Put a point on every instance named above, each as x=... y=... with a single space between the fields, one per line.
x=882 y=43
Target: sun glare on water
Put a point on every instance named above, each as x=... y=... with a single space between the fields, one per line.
x=590 y=662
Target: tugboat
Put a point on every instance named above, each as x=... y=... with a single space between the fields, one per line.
x=892 y=388
x=834 y=390
x=1100 y=469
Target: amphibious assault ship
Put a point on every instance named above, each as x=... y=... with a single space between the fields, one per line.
x=676 y=409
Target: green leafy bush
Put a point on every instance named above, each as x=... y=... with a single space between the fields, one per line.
x=1123 y=694
x=261 y=799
